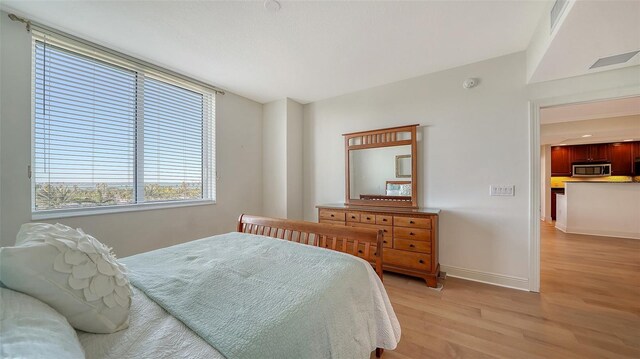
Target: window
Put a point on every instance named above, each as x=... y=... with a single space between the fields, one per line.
x=108 y=136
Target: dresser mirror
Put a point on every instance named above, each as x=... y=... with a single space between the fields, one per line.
x=381 y=167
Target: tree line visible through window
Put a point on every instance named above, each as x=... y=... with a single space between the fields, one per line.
x=106 y=135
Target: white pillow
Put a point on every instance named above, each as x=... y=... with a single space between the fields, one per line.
x=32 y=329
x=72 y=272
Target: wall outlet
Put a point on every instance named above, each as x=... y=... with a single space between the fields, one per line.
x=501 y=190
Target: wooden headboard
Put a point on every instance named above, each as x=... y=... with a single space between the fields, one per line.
x=365 y=243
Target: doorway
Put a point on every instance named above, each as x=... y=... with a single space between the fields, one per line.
x=542 y=111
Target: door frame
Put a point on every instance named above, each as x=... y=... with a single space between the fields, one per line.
x=534 y=164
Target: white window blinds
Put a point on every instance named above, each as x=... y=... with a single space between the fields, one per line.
x=173 y=141
x=106 y=135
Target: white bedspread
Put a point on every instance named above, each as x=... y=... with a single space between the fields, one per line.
x=152 y=333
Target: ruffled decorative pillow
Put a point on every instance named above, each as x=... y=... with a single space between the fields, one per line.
x=72 y=272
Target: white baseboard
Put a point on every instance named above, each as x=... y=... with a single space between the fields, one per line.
x=561 y=227
x=501 y=280
x=605 y=233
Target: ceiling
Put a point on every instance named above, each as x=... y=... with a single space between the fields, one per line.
x=591 y=30
x=591 y=110
x=601 y=130
x=308 y=50
x=605 y=121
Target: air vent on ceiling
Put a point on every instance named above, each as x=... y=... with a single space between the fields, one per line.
x=556 y=11
x=614 y=60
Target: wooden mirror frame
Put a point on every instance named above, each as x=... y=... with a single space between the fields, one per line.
x=384 y=137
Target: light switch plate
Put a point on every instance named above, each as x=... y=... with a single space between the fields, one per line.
x=502 y=190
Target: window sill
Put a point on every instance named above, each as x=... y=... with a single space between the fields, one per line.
x=78 y=212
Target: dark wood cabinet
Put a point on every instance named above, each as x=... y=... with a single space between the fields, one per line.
x=591 y=153
x=560 y=161
x=580 y=153
x=622 y=159
x=622 y=156
x=600 y=152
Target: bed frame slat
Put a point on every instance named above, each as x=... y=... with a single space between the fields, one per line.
x=320 y=235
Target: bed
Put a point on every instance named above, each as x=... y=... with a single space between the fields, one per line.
x=271 y=289
x=394 y=191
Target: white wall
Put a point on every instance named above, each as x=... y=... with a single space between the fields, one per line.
x=542 y=37
x=470 y=139
x=282 y=159
x=294 y=159
x=603 y=209
x=274 y=159
x=561 y=212
x=239 y=166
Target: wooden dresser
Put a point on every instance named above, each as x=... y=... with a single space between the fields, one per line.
x=410 y=235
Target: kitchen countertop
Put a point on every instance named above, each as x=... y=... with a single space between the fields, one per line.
x=566 y=182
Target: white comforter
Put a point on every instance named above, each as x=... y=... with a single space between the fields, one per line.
x=154 y=333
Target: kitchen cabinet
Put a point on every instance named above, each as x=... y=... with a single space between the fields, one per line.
x=600 y=152
x=622 y=156
x=560 y=161
x=591 y=153
x=622 y=159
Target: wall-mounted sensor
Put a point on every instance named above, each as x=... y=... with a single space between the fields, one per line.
x=470 y=83
x=272 y=5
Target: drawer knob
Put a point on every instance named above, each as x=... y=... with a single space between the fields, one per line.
x=384 y=241
x=353 y=217
x=359 y=250
x=384 y=220
x=368 y=218
x=412 y=245
x=412 y=234
x=421 y=261
x=412 y=222
x=332 y=215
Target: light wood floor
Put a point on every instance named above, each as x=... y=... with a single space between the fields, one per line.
x=588 y=307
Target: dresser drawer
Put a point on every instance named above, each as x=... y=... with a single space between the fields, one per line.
x=416 y=234
x=368 y=218
x=353 y=217
x=412 y=222
x=384 y=220
x=332 y=215
x=328 y=221
x=405 y=259
x=387 y=231
x=414 y=246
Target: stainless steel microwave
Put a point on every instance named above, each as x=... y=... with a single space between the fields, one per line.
x=592 y=170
